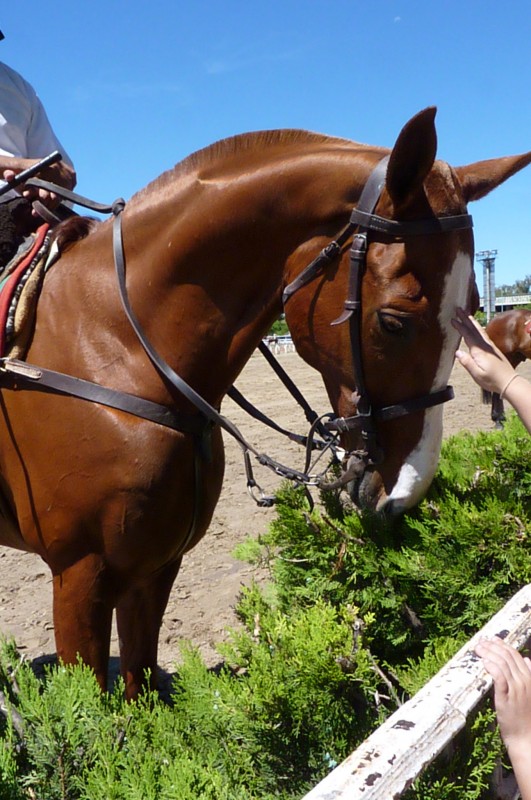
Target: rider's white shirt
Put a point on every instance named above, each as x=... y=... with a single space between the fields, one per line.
x=25 y=130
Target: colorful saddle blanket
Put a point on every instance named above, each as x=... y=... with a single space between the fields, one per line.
x=20 y=285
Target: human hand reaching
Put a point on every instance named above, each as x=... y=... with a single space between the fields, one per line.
x=512 y=689
x=485 y=362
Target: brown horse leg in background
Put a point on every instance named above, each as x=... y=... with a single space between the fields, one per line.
x=497 y=410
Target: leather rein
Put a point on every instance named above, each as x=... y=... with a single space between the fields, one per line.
x=16 y=374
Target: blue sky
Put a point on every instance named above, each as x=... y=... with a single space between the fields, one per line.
x=133 y=87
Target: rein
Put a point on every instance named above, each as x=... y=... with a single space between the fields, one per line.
x=208 y=411
x=15 y=374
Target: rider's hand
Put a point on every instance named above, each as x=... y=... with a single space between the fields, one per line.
x=60 y=173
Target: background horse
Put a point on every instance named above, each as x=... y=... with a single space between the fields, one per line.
x=110 y=501
x=511 y=332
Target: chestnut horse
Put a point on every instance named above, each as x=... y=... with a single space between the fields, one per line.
x=112 y=501
x=511 y=333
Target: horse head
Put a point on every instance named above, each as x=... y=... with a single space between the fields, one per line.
x=387 y=364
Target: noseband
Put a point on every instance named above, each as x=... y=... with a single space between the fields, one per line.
x=362 y=221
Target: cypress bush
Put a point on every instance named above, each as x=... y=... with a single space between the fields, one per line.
x=358 y=615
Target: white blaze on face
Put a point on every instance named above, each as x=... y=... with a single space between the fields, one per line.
x=419 y=466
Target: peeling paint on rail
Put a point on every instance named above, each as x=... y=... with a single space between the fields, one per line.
x=387 y=763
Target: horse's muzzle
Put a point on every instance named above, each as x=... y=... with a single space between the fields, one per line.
x=364 y=484
x=362 y=481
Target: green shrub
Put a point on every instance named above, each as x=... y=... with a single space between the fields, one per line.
x=359 y=614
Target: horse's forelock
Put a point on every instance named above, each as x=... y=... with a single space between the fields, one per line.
x=442 y=183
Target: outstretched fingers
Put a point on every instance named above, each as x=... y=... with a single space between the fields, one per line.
x=472 y=332
x=484 y=361
x=511 y=673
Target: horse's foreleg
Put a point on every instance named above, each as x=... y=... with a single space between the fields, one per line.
x=497 y=411
x=82 y=609
x=139 y=615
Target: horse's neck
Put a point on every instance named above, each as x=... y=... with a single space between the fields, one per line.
x=207 y=254
x=218 y=224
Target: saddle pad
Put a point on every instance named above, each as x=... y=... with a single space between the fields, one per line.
x=12 y=287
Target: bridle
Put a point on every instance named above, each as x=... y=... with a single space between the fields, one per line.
x=363 y=220
x=16 y=374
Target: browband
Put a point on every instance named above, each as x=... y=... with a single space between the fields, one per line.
x=415 y=227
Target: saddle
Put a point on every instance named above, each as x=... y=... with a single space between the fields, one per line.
x=20 y=284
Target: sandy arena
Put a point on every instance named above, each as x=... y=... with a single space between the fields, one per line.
x=203 y=597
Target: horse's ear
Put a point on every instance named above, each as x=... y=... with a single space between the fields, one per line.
x=412 y=158
x=478 y=179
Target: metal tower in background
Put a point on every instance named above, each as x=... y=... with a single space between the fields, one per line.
x=487 y=258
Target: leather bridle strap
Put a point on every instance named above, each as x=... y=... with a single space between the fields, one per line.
x=203 y=406
x=362 y=221
x=72 y=197
x=327 y=255
x=15 y=374
x=352 y=309
x=163 y=368
x=368 y=199
x=416 y=227
x=364 y=216
x=395 y=411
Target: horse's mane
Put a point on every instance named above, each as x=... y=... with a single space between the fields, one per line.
x=78 y=227
x=249 y=142
x=240 y=144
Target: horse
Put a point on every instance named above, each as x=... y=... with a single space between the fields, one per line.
x=511 y=333
x=213 y=251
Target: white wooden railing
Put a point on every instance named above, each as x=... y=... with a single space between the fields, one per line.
x=508 y=301
x=387 y=763
x=280 y=344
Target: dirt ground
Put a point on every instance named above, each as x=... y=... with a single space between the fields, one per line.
x=203 y=597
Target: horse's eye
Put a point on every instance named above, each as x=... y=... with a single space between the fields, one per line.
x=393 y=323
